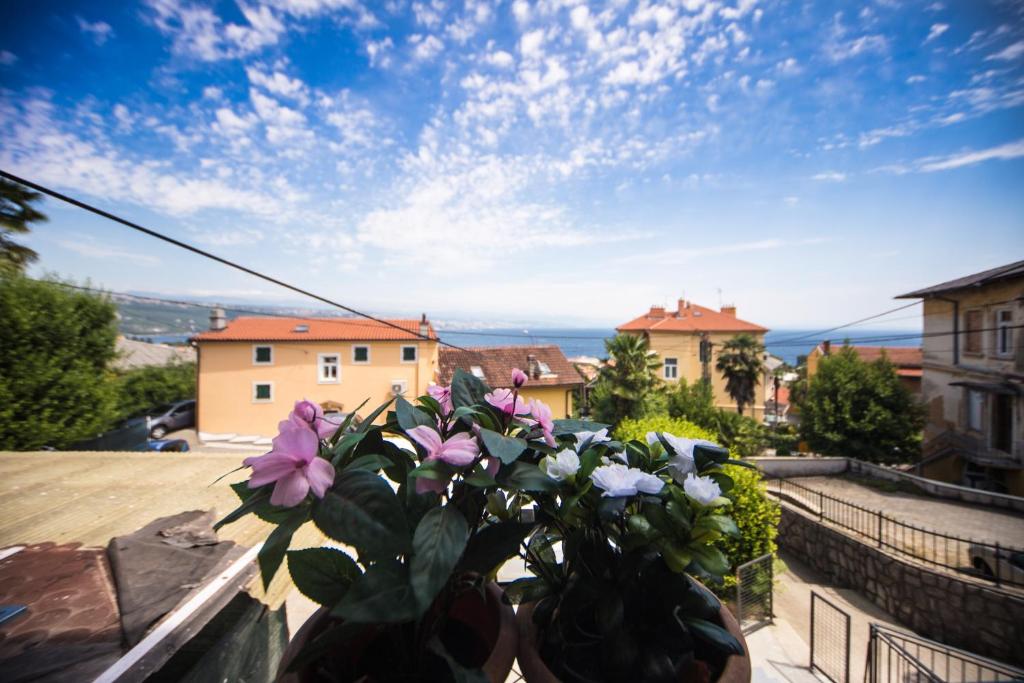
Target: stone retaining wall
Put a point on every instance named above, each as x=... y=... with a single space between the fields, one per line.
x=933 y=604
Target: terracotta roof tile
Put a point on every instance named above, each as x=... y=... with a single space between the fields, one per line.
x=318 y=329
x=689 y=318
x=497 y=362
x=901 y=357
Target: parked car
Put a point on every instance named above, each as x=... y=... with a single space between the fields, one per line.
x=165 y=446
x=1009 y=564
x=170 y=417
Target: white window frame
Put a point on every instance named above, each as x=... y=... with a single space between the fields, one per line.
x=674 y=365
x=1001 y=327
x=320 y=365
x=975 y=410
x=262 y=346
x=262 y=400
x=360 y=346
x=415 y=353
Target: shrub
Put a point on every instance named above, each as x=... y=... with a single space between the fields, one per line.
x=143 y=388
x=755 y=514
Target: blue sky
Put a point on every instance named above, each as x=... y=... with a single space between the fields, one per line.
x=548 y=162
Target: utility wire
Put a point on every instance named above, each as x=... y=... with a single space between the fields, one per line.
x=213 y=257
x=855 y=322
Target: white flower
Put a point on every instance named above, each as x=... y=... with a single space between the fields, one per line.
x=562 y=465
x=702 y=489
x=591 y=438
x=618 y=480
x=682 y=462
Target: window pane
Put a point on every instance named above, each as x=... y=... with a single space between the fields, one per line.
x=408 y=353
x=972 y=323
x=975 y=401
x=263 y=354
x=263 y=392
x=361 y=354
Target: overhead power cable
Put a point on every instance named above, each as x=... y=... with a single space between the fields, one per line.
x=206 y=254
x=813 y=335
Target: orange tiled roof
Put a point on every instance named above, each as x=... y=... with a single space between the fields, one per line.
x=318 y=329
x=906 y=359
x=689 y=317
x=496 y=363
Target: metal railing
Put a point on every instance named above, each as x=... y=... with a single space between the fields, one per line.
x=980 y=559
x=902 y=657
x=830 y=640
x=754 y=593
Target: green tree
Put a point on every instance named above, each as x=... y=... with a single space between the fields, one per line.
x=142 y=388
x=861 y=410
x=694 y=402
x=741 y=361
x=55 y=388
x=16 y=212
x=626 y=385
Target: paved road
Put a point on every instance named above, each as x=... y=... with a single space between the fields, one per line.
x=969 y=521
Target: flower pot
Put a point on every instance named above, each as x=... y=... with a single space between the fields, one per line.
x=491 y=617
x=737 y=667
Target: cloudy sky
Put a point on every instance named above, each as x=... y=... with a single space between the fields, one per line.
x=551 y=161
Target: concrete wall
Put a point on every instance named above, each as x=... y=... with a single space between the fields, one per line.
x=933 y=604
x=788 y=467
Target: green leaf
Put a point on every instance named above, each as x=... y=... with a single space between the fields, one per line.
x=720 y=523
x=257 y=502
x=480 y=478
x=367 y=424
x=370 y=463
x=272 y=553
x=362 y=510
x=740 y=463
x=504 y=448
x=714 y=635
x=322 y=574
x=565 y=427
x=437 y=546
x=710 y=558
x=464 y=411
x=493 y=545
x=382 y=595
x=346 y=423
x=438 y=470
x=588 y=463
x=345 y=445
x=467 y=390
x=529 y=589
x=410 y=417
x=528 y=477
x=431 y=404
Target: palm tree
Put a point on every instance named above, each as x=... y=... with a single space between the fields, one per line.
x=626 y=378
x=16 y=212
x=741 y=361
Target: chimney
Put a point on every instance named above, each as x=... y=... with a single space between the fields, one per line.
x=532 y=366
x=729 y=310
x=683 y=305
x=424 y=326
x=218 y=321
x=826 y=347
x=657 y=312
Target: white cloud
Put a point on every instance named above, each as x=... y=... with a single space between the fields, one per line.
x=212 y=92
x=426 y=47
x=1011 y=150
x=935 y=31
x=279 y=83
x=96 y=250
x=198 y=33
x=830 y=176
x=99 y=31
x=7 y=58
x=788 y=67
x=791 y=200
x=1009 y=53
x=521 y=11
x=500 y=59
x=916 y=78
x=873 y=137
x=531 y=44
x=379 y=51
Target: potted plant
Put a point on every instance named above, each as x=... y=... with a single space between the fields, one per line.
x=422 y=523
x=625 y=532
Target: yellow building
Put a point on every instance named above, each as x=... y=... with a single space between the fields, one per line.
x=973 y=385
x=552 y=377
x=250 y=371
x=676 y=335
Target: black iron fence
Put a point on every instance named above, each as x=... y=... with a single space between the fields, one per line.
x=904 y=657
x=830 y=640
x=989 y=561
x=754 y=592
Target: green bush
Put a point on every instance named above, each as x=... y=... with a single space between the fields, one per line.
x=755 y=514
x=143 y=388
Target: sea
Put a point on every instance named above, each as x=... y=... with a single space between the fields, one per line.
x=786 y=344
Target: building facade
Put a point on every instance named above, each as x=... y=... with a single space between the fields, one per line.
x=676 y=336
x=250 y=371
x=552 y=378
x=973 y=380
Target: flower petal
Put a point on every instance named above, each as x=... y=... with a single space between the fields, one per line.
x=320 y=474
x=424 y=485
x=426 y=437
x=291 y=490
x=269 y=468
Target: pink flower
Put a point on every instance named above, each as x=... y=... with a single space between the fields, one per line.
x=541 y=414
x=518 y=378
x=293 y=464
x=458 y=451
x=313 y=415
x=442 y=395
x=503 y=400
